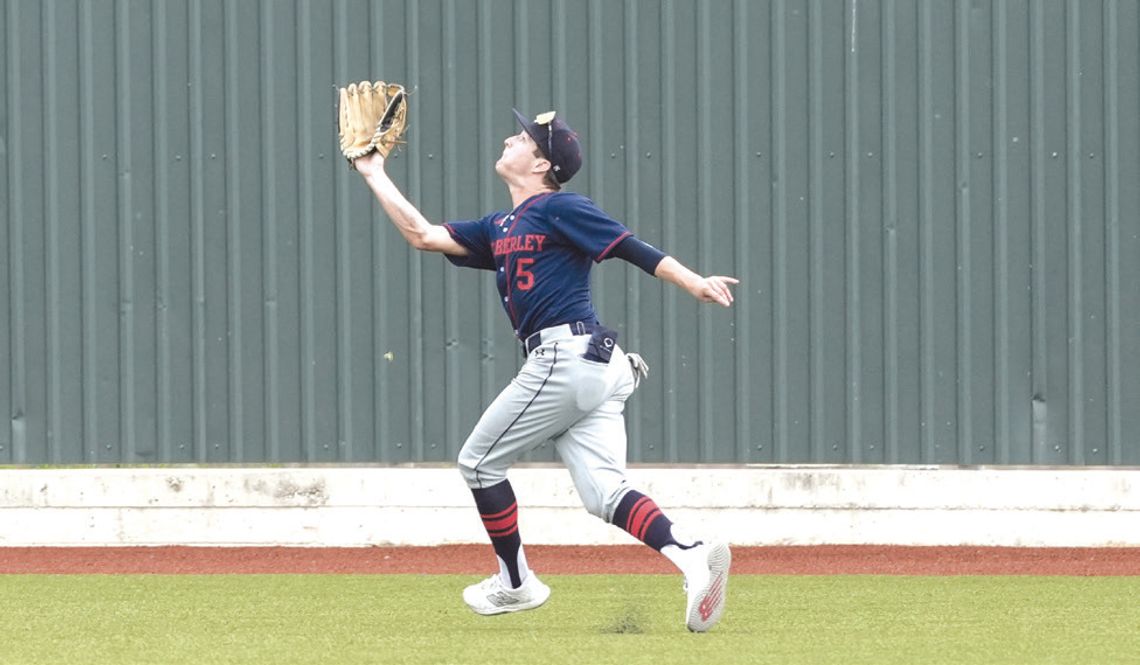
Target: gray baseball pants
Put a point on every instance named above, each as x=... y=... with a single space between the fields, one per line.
x=562 y=397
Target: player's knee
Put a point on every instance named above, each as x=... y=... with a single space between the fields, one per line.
x=603 y=500
x=476 y=472
x=594 y=504
x=466 y=464
x=613 y=498
x=468 y=474
x=467 y=469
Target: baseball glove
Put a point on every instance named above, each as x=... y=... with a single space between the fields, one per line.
x=373 y=116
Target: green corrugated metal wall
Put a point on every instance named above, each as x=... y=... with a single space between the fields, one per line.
x=932 y=205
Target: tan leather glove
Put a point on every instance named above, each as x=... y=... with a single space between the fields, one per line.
x=371 y=116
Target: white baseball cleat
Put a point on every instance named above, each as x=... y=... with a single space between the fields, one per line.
x=706 y=585
x=491 y=596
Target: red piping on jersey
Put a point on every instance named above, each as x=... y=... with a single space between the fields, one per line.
x=612 y=245
x=519 y=214
x=507 y=261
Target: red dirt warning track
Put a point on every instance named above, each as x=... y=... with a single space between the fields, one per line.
x=478 y=559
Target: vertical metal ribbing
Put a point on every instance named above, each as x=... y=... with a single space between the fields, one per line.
x=309 y=342
x=271 y=378
x=889 y=100
x=345 y=437
x=1112 y=232
x=15 y=219
x=451 y=110
x=636 y=446
x=558 y=52
x=854 y=361
x=234 y=304
x=669 y=223
x=161 y=148
x=1002 y=343
x=926 y=158
x=708 y=393
x=7 y=172
x=1040 y=363
x=337 y=410
x=596 y=88
x=521 y=54
x=198 y=233
x=111 y=402
x=963 y=217
x=87 y=128
x=490 y=301
x=743 y=257
x=51 y=265
x=779 y=244
x=14 y=425
x=596 y=111
x=1076 y=230
x=415 y=263
x=817 y=229
x=381 y=417
x=125 y=194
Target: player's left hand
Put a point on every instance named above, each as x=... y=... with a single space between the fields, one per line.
x=714 y=288
x=371 y=163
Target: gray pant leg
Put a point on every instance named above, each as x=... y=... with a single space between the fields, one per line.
x=536 y=406
x=594 y=448
x=558 y=395
x=594 y=451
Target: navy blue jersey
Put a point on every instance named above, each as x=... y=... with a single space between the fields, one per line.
x=542 y=253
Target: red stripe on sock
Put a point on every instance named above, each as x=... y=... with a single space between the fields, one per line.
x=637 y=516
x=501 y=513
x=649 y=519
x=637 y=506
x=500 y=524
x=502 y=534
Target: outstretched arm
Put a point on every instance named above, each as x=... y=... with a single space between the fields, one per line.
x=713 y=288
x=408 y=220
x=655 y=262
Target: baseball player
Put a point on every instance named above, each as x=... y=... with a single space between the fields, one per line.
x=575 y=381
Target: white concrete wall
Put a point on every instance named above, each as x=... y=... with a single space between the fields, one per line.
x=352 y=506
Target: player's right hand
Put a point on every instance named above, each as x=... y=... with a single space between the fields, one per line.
x=715 y=288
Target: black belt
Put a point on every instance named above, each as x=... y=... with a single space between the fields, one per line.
x=534 y=340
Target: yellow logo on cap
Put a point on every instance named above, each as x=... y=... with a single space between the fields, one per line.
x=545 y=118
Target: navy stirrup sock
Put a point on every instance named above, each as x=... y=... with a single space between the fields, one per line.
x=640 y=516
x=499 y=510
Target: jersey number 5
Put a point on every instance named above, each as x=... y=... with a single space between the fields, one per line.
x=525 y=277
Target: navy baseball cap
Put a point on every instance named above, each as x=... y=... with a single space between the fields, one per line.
x=557 y=142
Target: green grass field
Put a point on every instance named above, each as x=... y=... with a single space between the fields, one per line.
x=625 y=619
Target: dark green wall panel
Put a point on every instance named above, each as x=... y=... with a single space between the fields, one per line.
x=932 y=207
